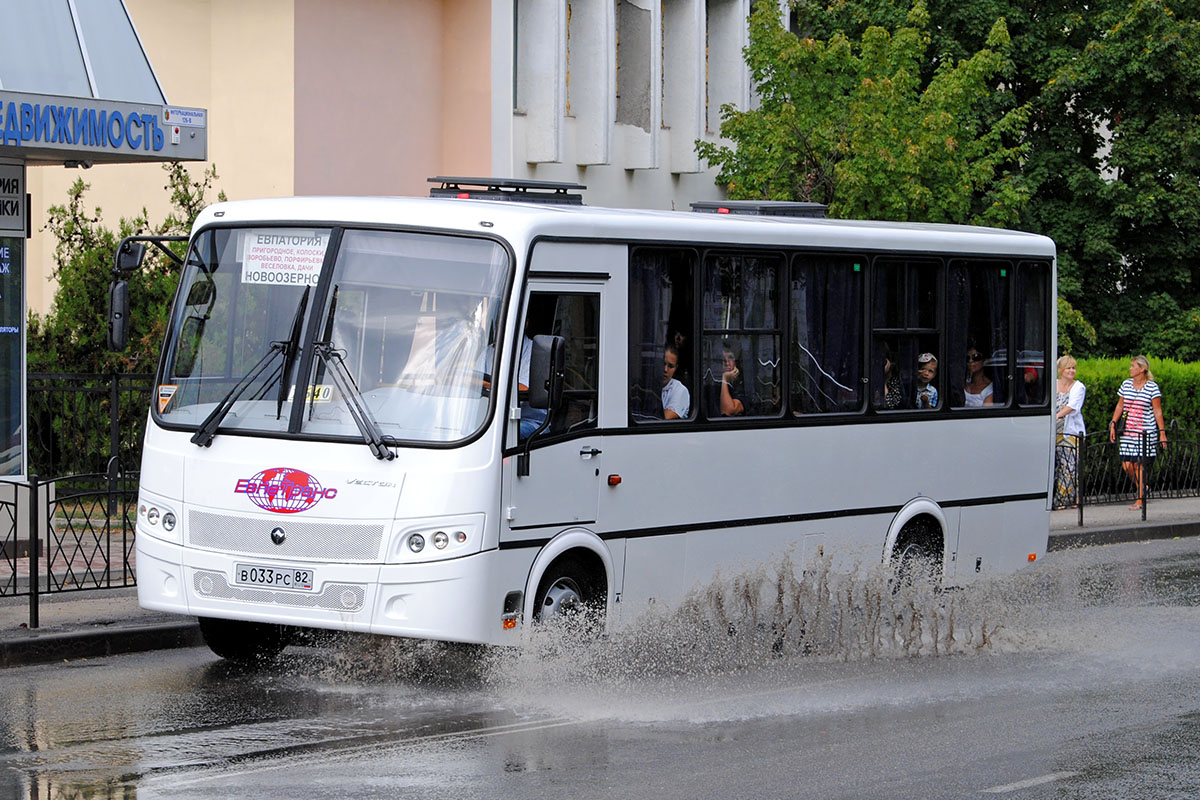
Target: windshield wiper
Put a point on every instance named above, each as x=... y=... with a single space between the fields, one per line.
x=354 y=400
x=208 y=428
x=289 y=355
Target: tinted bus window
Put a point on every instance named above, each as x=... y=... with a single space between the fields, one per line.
x=1032 y=329
x=740 y=361
x=977 y=305
x=826 y=334
x=907 y=369
x=661 y=333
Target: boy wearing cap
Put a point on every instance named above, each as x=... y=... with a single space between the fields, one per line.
x=927 y=393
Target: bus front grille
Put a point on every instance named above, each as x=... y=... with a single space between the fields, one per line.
x=326 y=541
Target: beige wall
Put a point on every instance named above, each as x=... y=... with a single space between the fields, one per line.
x=303 y=97
x=466 y=106
x=389 y=93
x=233 y=58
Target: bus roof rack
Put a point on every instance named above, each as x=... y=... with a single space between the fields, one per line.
x=761 y=208
x=522 y=191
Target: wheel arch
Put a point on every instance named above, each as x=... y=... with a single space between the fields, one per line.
x=915 y=509
x=571 y=541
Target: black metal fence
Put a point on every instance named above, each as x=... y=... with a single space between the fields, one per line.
x=77 y=531
x=1090 y=470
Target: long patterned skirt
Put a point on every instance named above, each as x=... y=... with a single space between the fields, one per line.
x=1066 y=470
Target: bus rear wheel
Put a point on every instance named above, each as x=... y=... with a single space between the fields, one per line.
x=917 y=557
x=245 y=642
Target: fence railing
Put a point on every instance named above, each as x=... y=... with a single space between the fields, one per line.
x=1090 y=470
x=75 y=532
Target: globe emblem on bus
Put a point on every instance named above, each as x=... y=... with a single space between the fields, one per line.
x=283 y=490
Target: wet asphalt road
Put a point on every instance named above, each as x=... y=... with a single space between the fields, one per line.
x=1080 y=678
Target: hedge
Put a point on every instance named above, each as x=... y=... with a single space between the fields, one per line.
x=1178 y=381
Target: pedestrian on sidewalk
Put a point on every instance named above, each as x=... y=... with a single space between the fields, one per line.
x=1068 y=419
x=1139 y=406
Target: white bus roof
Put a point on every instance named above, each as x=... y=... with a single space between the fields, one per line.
x=524 y=221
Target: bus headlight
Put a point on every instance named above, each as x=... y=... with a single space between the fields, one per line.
x=450 y=537
x=157 y=518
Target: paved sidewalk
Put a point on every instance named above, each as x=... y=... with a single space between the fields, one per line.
x=101 y=622
x=88 y=624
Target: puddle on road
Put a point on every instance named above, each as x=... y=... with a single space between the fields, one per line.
x=778 y=630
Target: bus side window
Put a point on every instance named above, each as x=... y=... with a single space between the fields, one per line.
x=742 y=369
x=977 y=363
x=661 y=332
x=826 y=326
x=576 y=318
x=907 y=369
x=1034 y=305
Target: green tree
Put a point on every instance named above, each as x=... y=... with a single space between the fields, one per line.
x=70 y=338
x=1110 y=158
x=1075 y=334
x=852 y=122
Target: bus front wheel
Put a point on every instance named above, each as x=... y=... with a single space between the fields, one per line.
x=569 y=591
x=244 y=642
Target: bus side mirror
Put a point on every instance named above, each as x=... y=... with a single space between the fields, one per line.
x=118 y=316
x=547 y=367
x=129 y=256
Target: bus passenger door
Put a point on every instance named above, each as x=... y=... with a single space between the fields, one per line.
x=563 y=484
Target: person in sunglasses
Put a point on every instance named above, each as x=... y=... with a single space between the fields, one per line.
x=978 y=387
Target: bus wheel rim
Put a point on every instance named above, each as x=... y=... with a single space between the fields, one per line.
x=563 y=597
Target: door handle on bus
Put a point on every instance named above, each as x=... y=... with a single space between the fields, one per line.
x=588 y=452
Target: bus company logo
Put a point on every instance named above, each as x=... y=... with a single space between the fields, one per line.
x=283 y=490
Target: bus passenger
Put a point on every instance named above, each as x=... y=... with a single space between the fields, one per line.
x=531 y=418
x=978 y=387
x=676 y=399
x=927 y=393
x=731 y=385
x=893 y=394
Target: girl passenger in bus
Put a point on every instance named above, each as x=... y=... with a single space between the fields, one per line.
x=731 y=393
x=978 y=387
x=676 y=399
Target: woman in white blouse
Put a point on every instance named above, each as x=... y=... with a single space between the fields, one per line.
x=978 y=387
x=1068 y=418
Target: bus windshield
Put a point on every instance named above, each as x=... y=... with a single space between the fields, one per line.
x=402 y=334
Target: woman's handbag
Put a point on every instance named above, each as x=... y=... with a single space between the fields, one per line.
x=1119 y=426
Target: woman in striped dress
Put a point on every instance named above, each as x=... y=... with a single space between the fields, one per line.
x=1140 y=401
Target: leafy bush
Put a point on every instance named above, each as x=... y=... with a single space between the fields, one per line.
x=71 y=336
x=69 y=418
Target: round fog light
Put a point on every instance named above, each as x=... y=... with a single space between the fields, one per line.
x=440 y=540
x=169 y=521
x=416 y=543
x=152 y=516
x=460 y=536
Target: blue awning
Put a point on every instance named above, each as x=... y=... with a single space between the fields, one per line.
x=75 y=48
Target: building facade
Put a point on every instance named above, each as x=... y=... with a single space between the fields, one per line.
x=372 y=97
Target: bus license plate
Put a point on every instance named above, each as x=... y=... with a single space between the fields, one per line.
x=273 y=577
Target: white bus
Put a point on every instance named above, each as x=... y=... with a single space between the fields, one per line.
x=341 y=438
